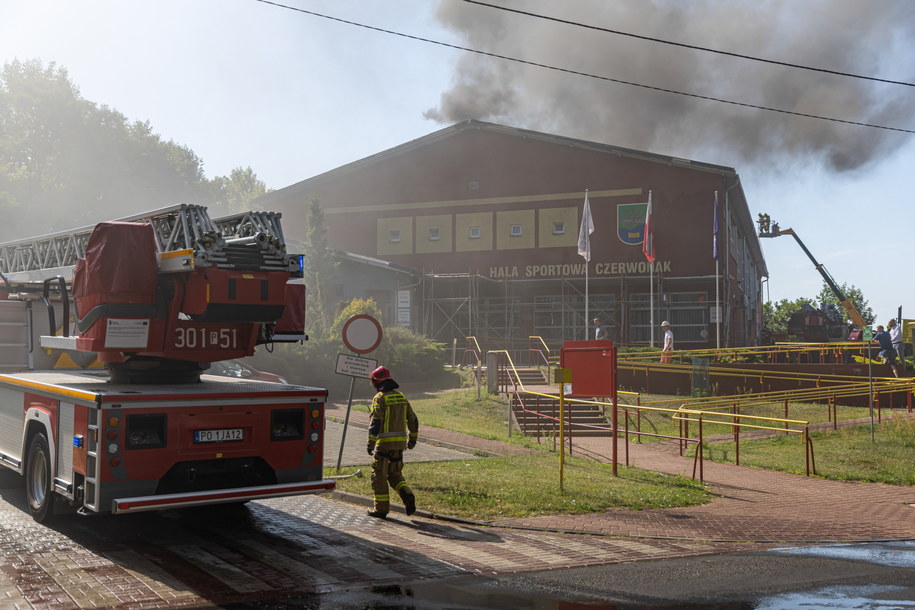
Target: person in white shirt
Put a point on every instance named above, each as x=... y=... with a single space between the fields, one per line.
x=896 y=339
x=600 y=332
x=668 y=342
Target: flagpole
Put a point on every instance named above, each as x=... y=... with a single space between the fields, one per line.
x=587 y=317
x=584 y=250
x=717 y=310
x=716 y=252
x=651 y=299
x=651 y=307
x=648 y=251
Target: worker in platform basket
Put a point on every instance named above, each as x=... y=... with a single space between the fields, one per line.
x=394 y=428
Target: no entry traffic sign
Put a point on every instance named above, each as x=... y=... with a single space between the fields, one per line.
x=362 y=334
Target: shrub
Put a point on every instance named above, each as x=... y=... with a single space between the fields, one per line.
x=412 y=358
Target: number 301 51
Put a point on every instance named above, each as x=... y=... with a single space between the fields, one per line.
x=192 y=338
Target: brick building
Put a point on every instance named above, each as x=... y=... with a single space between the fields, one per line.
x=488 y=217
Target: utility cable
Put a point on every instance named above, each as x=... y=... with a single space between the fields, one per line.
x=586 y=74
x=690 y=46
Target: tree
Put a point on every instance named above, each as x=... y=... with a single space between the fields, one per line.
x=826 y=295
x=66 y=162
x=776 y=315
x=235 y=192
x=319 y=268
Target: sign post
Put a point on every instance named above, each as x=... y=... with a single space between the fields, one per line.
x=361 y=334
x=867 y=335
x=562 y=377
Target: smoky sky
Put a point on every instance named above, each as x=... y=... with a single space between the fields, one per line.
x=868 y=37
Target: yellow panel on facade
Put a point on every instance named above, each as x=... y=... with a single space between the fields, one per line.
x=557 y=227
x=433 y=233
x=514 y=230
x=395 y=235
x=473 y=232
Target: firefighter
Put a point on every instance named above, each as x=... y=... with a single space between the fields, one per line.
x=392 y=419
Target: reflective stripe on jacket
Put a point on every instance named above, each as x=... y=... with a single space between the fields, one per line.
x=393 y=421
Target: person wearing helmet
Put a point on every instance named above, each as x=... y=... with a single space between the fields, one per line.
x=394 y=428
x=668 y=342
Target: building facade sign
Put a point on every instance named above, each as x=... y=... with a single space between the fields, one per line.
x=617 y=268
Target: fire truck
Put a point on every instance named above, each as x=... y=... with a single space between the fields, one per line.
x=106 y=333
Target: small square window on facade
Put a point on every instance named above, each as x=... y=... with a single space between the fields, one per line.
x=559 y=227
x=395 y=237
x=474 y=232
x=433 y=234
x=516 y=231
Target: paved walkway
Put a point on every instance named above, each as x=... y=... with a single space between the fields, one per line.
x=751 y=504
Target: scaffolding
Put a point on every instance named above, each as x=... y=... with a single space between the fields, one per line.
x=507 y=312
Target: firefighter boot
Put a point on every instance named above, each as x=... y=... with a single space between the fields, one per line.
x=409 y=501
x=377 y=514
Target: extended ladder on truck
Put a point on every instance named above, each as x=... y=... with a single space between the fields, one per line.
x=154 y=298
x=767 y=229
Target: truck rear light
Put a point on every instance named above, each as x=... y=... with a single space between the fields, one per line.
x=146 y=431
x=287 y=424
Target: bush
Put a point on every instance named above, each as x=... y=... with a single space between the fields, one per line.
x=412 y=358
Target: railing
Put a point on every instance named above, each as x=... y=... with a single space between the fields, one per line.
x=685 y=416
x=472 y=355
x=813 y=353
x=537 y=350
x=532 y=403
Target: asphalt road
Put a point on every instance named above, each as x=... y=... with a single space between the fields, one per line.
x=866 y=576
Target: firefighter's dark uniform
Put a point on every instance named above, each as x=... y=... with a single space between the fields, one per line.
x=394 y=428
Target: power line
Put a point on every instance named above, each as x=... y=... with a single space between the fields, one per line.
x=689 y=46
x=585 y=74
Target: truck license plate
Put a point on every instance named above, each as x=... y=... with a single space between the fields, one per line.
x=219 y=435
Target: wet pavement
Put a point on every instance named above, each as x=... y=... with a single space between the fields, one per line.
x=315 y=551
x=268 y=550
x=871 y=576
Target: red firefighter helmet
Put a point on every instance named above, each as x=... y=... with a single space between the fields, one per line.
x=381 y=374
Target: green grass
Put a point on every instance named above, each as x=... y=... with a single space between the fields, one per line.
x=524 y=486
x=845 y=454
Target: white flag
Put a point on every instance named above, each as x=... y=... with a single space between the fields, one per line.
x=584 y=234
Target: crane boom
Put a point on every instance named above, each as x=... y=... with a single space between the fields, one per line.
x=765 y=230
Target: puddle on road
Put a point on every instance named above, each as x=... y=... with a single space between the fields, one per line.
x=873 y=597
x=890 y=554
x=471 y=593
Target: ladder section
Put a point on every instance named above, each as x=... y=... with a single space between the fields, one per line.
x=14 y=336
x=247 y=241
x=91 y=491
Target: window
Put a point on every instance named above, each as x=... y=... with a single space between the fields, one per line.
x=516 y=231
x=474 y=232
x=559 y=227
x=395 y=237
x=433 y=234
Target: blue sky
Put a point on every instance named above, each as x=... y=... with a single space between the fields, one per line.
x=244 y=83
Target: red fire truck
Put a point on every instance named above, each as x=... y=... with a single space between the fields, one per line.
x=105 y=336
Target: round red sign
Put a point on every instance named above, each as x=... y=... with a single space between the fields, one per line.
x=362 y=333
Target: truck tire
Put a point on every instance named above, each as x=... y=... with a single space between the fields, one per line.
x=38 y=492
